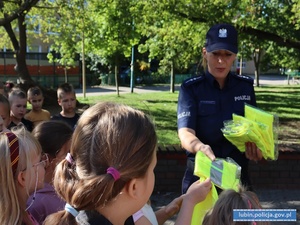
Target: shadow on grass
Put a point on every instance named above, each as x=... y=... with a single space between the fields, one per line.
x=280 y=100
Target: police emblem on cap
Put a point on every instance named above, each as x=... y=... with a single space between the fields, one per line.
x=222 y=36
x=223 y=33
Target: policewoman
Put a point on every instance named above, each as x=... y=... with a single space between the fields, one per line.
x=206 y=101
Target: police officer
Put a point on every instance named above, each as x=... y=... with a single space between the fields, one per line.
x=206 y=101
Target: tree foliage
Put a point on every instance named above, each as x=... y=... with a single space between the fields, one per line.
x=13 y=21
x=172 y=31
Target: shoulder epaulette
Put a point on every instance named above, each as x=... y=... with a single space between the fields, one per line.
x=244 y=77
x=193 y=80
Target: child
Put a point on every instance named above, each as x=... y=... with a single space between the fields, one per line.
x=18 y=106
x=109 y=173
x=222 y=212
x=37 y=113
x=8 y=86
x=55 y=139
x=66 y=98
x=4 y=113
x=22 y=173
x=146 y=215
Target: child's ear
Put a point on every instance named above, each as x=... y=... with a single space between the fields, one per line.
x=21 y=178
x=133 y=188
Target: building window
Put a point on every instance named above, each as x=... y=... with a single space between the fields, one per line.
x=243 y=64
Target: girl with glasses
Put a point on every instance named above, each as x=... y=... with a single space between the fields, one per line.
x=22 y=173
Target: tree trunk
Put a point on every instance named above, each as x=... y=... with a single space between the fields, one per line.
x=172 y=80
x=116 y=80
x=21 y=66
x=256 y=60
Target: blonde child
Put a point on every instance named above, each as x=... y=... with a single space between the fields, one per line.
x=22 y=172
x=18 y=106
x=37 y=113
x=109 y=173
x=66 y=98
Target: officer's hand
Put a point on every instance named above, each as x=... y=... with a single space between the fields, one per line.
x=252 y=152
x=206 y=149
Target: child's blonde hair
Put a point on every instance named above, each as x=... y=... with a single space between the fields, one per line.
x=17 y=148
x=16 y=92
x=107 y=135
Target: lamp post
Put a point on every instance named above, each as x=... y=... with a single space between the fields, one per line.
x=132 y=64
x=132 y=70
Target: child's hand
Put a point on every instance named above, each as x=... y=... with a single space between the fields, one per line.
x=198 y=191
x=173 y=207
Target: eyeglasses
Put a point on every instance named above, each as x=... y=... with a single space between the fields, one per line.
x=44 y=162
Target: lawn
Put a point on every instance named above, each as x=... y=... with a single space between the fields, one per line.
x=161 y=106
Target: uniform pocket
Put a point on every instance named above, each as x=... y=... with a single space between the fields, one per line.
x=206 y=108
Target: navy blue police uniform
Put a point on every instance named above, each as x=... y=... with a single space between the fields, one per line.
x=203 y=107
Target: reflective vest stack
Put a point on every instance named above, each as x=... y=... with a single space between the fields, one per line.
x=257 y=126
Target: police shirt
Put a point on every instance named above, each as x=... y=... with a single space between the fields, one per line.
x=203 y=107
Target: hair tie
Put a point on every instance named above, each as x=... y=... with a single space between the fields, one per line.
x=70 y=159
x=13 y=145
x=114 y=172
x=71 y=209
x=249 y=204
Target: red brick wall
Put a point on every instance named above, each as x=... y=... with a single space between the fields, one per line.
x=40 y=70
x=281 y=174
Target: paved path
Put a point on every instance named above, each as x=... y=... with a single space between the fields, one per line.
x=102 y=90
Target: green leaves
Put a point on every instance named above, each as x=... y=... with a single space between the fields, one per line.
x=171 y=31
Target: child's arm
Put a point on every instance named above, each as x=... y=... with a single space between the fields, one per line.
x=169 y=210
x=161 y=215
x=196 y=193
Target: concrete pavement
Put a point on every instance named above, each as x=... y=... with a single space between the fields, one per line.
x=105 y=89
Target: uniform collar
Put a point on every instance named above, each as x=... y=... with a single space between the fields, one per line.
x=212 y=81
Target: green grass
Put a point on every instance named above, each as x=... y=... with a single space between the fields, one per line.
x=280 y=100
x=162 y=106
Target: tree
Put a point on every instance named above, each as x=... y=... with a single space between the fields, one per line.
x=105 y=27
x=115 y=36
x=257 y=24
x=173 y=40
x=13 y=14
x=174 y=30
